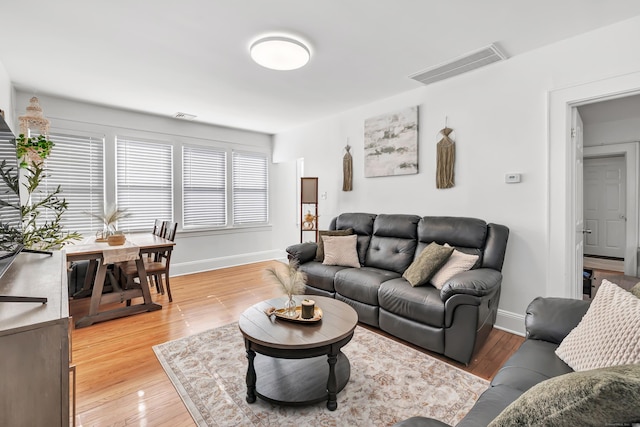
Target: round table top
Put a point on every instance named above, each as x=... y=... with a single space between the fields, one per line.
x=338 y=321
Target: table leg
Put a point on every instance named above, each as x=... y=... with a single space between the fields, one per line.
x=332 y=383
x=251 y=375
x=98 y=285
x=86 y=286
x=144 y=284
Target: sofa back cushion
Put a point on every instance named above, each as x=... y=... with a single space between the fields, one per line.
x=467 y=235
x=362 y=225
x=393 y=244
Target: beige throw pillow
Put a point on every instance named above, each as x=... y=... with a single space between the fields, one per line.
x=607 y=335
x=341 y=250
x=320 y=243
x=457 y=263
x=428 y=262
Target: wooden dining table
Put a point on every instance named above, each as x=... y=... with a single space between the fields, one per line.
x=96 y=253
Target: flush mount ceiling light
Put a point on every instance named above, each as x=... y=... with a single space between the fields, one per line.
x=280 y=53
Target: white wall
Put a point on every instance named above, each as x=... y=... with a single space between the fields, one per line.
x=500 y=117
x=195 y=250
x=6 y=99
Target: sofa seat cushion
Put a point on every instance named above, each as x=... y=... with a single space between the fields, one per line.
x=421 y=304
x=535 y=361
x=361 y=284
x=322 y=276
x=489 y=405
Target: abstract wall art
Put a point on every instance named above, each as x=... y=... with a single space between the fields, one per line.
x=391 y=144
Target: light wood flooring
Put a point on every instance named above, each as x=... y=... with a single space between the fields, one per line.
x=119 y=380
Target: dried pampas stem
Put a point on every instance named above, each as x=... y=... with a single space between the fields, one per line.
x=287 y=276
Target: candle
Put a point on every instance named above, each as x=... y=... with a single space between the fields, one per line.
x=308 y=308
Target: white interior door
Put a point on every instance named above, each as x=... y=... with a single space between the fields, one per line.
x=605 y=206
x=577 y=141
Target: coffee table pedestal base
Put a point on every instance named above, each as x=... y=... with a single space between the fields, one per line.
x=300 y=381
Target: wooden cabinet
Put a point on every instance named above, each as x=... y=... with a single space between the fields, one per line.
x=34 y=343
x=625 y=282
x=308 y=209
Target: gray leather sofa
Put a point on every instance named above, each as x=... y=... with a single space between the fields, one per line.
x=452 y=321
x=547 y=322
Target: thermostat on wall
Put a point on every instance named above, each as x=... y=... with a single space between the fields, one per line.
x=512 y=178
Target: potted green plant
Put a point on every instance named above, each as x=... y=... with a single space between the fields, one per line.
x=33 y=150
x=41 y=211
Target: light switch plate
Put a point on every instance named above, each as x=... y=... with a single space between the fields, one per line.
x=512 y=178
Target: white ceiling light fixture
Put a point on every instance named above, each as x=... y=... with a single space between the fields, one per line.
x=280 y=53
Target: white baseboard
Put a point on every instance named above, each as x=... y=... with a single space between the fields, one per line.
x=189 y=267
x=510 y=322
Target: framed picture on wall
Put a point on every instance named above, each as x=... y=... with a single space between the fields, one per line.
x=391 y=144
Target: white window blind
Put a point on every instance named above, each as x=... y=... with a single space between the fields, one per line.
x=250 y=188
x=204 y=186
x=76 y=164
x=144 y=183
x=9 y=212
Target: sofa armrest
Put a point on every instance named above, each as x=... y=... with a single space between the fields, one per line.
x=302 y=252
x=478 y=283
x=551 y=319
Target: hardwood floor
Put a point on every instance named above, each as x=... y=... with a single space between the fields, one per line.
x=119 y=380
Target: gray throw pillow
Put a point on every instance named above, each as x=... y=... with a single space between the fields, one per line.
x=598 y=397
x=320 y=243
x=428 y=262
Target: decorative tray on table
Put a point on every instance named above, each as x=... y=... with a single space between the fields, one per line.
x=280 y=313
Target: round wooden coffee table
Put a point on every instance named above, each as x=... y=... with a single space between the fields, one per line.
x=297 y=363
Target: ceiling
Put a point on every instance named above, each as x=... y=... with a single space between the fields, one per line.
x=192 y=56
x=611 y=110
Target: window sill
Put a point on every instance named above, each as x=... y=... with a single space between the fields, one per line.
x=212 y=231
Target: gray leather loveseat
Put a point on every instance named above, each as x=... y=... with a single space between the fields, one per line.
x=547 y=322
x=452 y=321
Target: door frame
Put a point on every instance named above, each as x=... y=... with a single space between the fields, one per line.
x=561 y=280
x=629 y=150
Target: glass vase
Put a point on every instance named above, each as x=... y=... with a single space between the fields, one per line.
x=290 y=306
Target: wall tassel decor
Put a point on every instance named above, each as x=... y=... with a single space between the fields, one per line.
x=445 y=160
x=347 y=169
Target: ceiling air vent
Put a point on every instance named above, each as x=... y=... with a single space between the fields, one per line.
x=460 y=65
x=184 y=116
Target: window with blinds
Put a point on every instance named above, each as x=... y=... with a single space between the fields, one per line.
x=204 y=185
x=10 y=218
x=144 y=183
x=250 y=188
x=76 y=164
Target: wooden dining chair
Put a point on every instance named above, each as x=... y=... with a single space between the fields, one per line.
x=159 y=226
x=157 y=266
x=159 y=229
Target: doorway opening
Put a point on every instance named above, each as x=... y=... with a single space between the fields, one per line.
x=565 y=262
x=610 y=244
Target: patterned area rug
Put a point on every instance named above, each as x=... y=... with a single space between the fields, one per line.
x=389 y=382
